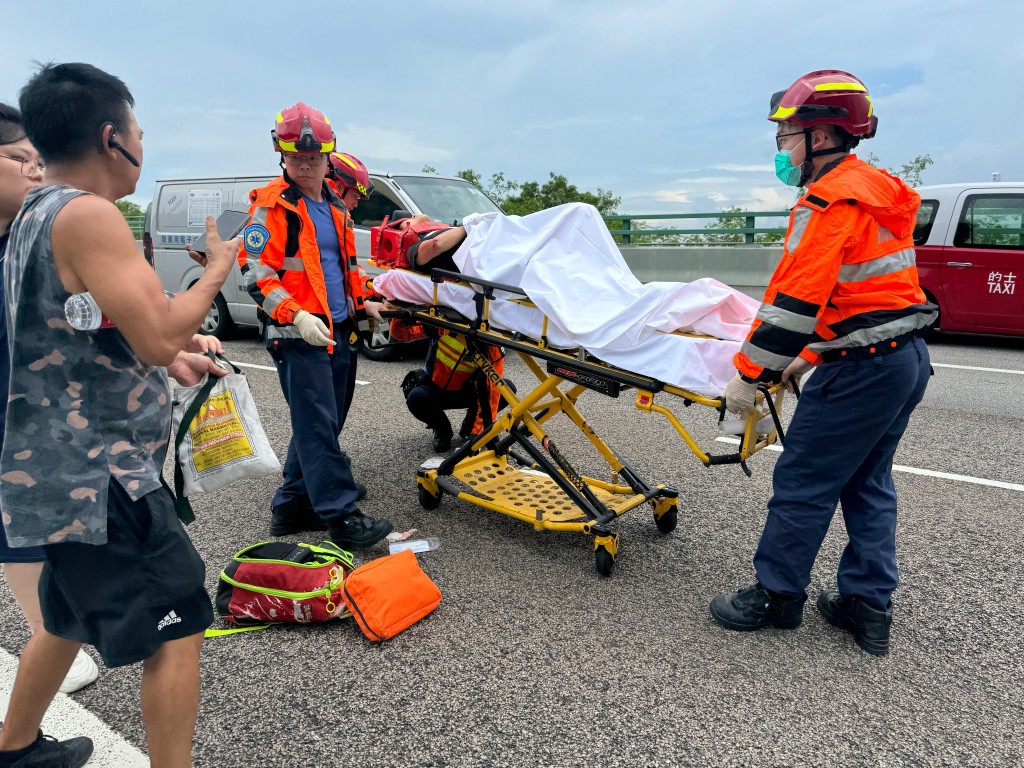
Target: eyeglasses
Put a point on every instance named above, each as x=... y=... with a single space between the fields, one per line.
x=313 y=161
x=28 y=167
x=780 y=136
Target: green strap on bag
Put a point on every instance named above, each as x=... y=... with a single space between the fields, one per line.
x=182 y=506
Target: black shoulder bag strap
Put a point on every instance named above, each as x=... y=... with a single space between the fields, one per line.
x=181 y=503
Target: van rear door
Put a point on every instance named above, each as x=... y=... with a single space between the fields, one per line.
x=982 y=268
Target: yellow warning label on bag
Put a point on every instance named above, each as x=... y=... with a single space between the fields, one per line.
x=217 y=434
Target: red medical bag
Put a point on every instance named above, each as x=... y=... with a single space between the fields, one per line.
x=389 y=242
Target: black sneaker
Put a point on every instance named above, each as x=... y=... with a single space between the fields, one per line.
x=755 y=607
x=295 y=517
x=442 y=442
x=47 y=752
x=358 y=531
x=870 y=626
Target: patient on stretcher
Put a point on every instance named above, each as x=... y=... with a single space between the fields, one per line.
x=434 y=249
x=572 y=270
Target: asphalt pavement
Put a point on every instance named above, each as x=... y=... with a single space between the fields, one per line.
x=532 y=659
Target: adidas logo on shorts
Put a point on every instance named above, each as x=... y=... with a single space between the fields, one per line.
x=166 y=621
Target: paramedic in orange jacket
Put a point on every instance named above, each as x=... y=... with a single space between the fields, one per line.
x=299 y=263
x=449 y=379
x=845 y=298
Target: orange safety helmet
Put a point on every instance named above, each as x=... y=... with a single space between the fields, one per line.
x=301 y=128
x=827 y=97
x=349 y=172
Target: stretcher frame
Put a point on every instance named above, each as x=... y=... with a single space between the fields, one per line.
x=542 y=488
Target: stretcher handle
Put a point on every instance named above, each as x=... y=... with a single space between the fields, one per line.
x=773 y=411
x=440 y=275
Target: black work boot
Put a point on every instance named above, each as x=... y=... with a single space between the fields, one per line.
x=358 y=531
x=295 y=517
x=47 y=752
x=442 y=442
x=870 y=626
x=755 y=607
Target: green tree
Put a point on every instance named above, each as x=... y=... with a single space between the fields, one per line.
x=429 y=169
x=128 y=208
x=520 y=199
x=133 y=214
x=557 y=190
x=499 y=188
x=909 y=172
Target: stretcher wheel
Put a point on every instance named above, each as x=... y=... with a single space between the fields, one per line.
x=603 y=561
x=428 y=500
x=668 y=520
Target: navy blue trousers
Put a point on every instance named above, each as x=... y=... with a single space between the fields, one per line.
x=318 y=388
x=839 y=449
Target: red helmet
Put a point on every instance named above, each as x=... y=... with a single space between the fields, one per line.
x=300 y=128
x=827 y=97
x=350 y=172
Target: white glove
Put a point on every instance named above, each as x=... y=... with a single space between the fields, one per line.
x=794 y=372
x=740 y=395
x=312 y=329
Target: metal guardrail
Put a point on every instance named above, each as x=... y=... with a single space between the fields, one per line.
x=630 y=233
x=136 y=223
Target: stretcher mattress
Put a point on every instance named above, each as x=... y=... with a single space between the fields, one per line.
x=572 y=270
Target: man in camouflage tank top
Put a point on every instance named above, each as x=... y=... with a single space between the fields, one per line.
x=88 y=419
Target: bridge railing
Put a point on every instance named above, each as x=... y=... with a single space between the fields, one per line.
x=136 y=223
x=734 y=228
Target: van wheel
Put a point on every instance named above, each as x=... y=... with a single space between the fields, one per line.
x=381 y=337
x=217 y=321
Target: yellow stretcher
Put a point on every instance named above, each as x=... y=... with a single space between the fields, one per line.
x=516 y=468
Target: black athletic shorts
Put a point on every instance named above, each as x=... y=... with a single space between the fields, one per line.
x=127 y=597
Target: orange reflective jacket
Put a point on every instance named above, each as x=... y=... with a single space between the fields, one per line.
x=280 y=259
x=848 y=274
x=453 y=365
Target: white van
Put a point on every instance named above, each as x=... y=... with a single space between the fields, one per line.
x=177 y=216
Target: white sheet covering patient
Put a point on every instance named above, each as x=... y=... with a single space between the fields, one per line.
x=567 y=263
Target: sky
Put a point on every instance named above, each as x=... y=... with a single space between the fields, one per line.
x=664 y=104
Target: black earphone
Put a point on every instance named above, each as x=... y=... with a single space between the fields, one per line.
x=115 y=144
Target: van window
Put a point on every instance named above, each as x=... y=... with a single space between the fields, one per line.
x=925 y=219
x=371 y=212
x=991 y=221
x=446 y=200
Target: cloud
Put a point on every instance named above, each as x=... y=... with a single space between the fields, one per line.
x=745 y=168
x=672 y=196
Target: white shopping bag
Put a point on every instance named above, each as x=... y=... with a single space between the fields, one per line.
x=218 y=437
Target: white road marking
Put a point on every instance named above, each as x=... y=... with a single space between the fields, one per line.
x=66 y=719
x=977 y=368
x=917 y=471
x=272 y=368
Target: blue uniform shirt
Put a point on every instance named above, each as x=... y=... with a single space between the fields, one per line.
x=330 y=257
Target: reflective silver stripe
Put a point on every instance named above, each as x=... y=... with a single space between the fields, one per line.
x=259 y=216
x=293 y=264
x=283 y=332
x=864 y=337
x=883 y=265
x=801 y=215
x=764 y=358
x=783 y=318
x=260 y=271
x=274 y=299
